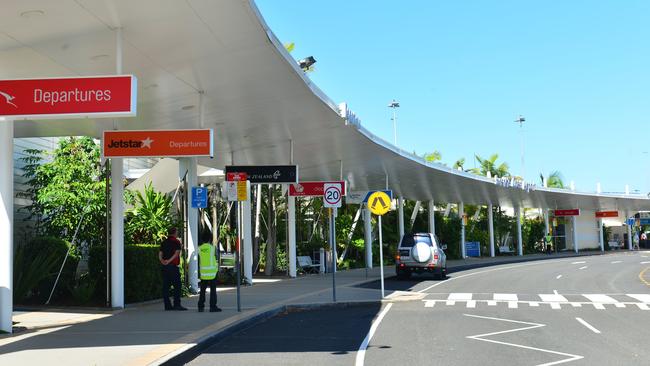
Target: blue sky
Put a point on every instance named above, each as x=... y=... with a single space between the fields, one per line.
x=578 y=71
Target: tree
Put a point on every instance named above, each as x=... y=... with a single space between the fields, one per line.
x=62 y=188
x=490 y=165
x=553 y=180
x=147 y=222
x=433 y=157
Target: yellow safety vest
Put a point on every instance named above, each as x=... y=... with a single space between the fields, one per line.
x=207 y=261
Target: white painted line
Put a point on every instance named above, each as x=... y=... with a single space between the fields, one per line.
x=471 y=303
x=646 y=262
x=451 y=303
x=361 y=353
x=643 y=306
x=583 y=267
x=552 y=298
x=579 y=262
x=619 y=305
x=429 y=303
x=603 y=299
x=614 y=262
x=576 y=304
x=555 y=292
x=555 y=306
x=599 y=306
x=558 y=277
x=481 y=337
x=505 y=297
x=641 y=297
x=589 y=326
x=512 y=305
x=460 y=296
x=533 y=304
x=492 y=303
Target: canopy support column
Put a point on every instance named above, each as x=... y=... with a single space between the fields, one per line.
x=601 y=235
x=574 y=222
x=6 y=224
x=367 y=235
x=117 y=233
x=188 y=165
x=291 y=203
x=400 y=213
x=629 y=231
x=432 y=217
x=491 y=229
x=461 y=214
x=520 y=244
x=247 y=236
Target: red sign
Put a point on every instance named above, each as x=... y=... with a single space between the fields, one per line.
x=107 y=96
x=236 y=177
x=601 y=214
x=307 y=189
x=572 y=212
x=157 y=143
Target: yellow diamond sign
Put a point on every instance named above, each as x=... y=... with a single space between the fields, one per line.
x=379 y=203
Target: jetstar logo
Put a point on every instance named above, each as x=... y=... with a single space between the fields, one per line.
x=8 y=98
x=131 y=143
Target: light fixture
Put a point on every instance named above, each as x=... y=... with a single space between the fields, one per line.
x=306 y=62
x=99 y=57
x=187 y=107
x=32 y=13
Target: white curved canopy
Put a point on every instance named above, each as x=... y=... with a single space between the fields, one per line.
x=254 y=95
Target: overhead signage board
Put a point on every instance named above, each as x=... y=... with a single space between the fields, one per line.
x=311 y=189
x=359 y=197
x=332 y=194
x=571 y=212
x=74 y=97
x=157 y=143
x=601 y=214
x=199 y=197
x=379 y=203
x=231 y=177
x=267 y=173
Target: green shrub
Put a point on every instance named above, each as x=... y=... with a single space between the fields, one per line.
x=36 y=265
x=142 y=278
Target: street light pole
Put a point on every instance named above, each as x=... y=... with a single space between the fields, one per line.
x=394 y=105
x=521 y=121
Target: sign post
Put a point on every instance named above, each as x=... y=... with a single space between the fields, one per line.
x=332 y=196
x=237 y=191
x=379 y=204
x=199 y=197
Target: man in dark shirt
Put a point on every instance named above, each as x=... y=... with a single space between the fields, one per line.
x=170 y=257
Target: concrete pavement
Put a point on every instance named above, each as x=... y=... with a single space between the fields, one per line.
x=142 y=335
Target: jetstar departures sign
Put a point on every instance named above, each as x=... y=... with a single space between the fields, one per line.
x=157 y=143
x=76 y=97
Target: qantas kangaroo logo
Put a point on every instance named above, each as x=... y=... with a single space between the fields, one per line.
x=8 y=98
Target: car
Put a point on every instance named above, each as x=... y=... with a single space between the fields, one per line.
x=419 y=253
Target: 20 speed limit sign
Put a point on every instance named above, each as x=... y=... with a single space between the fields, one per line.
x=332 y=195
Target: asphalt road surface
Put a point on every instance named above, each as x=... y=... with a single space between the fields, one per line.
x=576 y=311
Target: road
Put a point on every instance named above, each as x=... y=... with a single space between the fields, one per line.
x=578 y=311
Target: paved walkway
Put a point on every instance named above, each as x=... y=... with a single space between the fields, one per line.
x=145 y=334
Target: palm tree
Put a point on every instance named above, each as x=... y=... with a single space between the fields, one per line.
x=490 y=165
x=459 y=163
x=554 y=179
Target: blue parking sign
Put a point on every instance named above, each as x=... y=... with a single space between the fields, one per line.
x=199 y=197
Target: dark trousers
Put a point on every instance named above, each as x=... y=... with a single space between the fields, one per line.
x=171 y=277
x=213 y=293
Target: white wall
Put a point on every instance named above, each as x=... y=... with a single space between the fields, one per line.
x=587 y=227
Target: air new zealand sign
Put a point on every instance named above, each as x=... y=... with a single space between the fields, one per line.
x=267 y=173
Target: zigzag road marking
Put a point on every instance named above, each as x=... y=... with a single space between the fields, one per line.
x=482 y=337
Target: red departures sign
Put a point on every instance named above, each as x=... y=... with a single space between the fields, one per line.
x=601 y=214
x=77 y=97
x=572 y=212
x=311 y=189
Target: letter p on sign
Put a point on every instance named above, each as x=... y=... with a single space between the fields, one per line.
x=332 y=195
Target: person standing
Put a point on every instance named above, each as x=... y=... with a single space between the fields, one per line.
x=549 y=243
x=169 y=256
x=208 y=269
x=635 y=241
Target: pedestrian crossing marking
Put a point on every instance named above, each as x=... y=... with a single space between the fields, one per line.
x=505 y=297
x=512 y=305
x=555 y=306
x=643 y=306
x=641 y=297
x=429 y=303
x=619 y=305
x=599 y=306
x=533 y=304
x=492 y=303
x=604 y=299
x=553 y=298
x=471 y=303
x=460 y=296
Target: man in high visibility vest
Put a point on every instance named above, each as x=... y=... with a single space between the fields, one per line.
x=549 y=243
x=208 y=269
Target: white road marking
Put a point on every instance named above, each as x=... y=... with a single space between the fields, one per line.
x=583 y=267
x=646 y=262
x=471 y=303
x=555 y=292
x=481 y=337
x=361 y=353
x=643 y=306
x=614 y=262
x=505 y=297
x=579 y=262
x=492 y=303
x=459 y=296
x=603 y=299
x=589 y=326
x=552 y=298
x=512 y=305
x=429 y=303
x=619 y=305
x=555 y=305
x=599 y=306
x=533 y=304
x=576 y=304
x=641 y=297
x=558 y=277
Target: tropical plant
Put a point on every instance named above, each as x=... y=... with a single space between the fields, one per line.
x=490 y=165
x=553 y=180
x=433 y=157
x=459 y=163
x=149 y=218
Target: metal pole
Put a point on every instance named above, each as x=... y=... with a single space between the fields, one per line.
x=491 y=229
x=461 y=213
x=237 y=271
x=6 y=224
x=108 y=233
x=602 y=235
x=395 y=126
x=333 y=250
x=381 y=259
x=520 y=244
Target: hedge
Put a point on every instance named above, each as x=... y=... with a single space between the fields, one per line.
x=142 y=278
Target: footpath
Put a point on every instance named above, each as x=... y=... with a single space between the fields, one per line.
x=146 y=335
